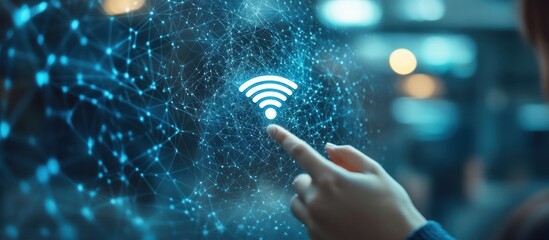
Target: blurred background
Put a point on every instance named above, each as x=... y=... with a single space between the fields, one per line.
x=454 y=109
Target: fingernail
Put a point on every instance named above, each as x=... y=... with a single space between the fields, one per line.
x=330 y=145
x=271 y=129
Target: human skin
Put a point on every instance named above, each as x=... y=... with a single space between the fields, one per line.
x=350 y=197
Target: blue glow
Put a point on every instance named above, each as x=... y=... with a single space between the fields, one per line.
x=108 y=51
x=42 y=174
x=53 y=166
x=83 y=41
x=22 y=15
x=422 y=10
x=4 y=129
x=353 y=13
x=51 y=207
x=533 y=117
x=7 y=84
x=87 y=214
x=42 y=78
x=11 y=52
x=429 y=119
x=40 y=39
x=74 y=24
x=64 y=60
x=51 y=59
x=11 y=231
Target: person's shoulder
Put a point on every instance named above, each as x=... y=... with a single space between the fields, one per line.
x=430 y=231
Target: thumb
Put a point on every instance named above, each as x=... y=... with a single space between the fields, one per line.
x=351 y=159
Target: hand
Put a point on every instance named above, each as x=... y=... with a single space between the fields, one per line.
x=350 y=198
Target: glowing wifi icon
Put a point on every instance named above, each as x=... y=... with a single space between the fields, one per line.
x=269 y=92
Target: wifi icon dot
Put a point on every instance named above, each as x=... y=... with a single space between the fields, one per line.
x=269 y=92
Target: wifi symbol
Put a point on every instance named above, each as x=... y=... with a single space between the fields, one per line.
x=269 y=91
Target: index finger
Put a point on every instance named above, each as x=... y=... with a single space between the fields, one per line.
x=314 y=163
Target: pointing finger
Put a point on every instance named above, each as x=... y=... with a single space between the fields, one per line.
x=314 y=163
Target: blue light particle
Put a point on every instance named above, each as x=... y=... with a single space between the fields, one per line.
x=51 y=207
x=11 y=52
x=11 y=231
x=4 y=130
x=7 y=84
x=53 y=166
x=51 y=59
x=83 y=41
x=64 y=60
x=79 y=79
x=80 y=187
x=42 y=78
x=42 y=174
x=74 y=24
x=123 y=158
x=108 y=51
x=21 y=16
x=40 y=39
x=87 y=214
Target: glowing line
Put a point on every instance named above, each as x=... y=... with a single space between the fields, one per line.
x=270 y=102
x=267 y=78
x=268 y=86
x=269 y=94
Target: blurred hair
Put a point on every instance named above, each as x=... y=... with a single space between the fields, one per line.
x=530 y=221
x=535 y=20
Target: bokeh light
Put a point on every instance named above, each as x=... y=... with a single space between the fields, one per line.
x=352 y=13
x=421 y=86
x=403 y=61
x=115 y=7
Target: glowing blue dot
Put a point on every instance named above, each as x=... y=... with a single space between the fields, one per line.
x=50 y=206
x=21 y=16
x=64 y=60
x=87 y=213
x=42 y=78
x=7 y=84
x=40 y=39
x=4 y=130
x=42 y=174
x=108 y=51
x=80 y=187
x=138 y=221
x=53 y=166
x=74 y=24
x=83 y=41
x=11 y=231
x=51 y=59
x=123 y=158
x=79 y=79
x=42 y=7
x=11 y=52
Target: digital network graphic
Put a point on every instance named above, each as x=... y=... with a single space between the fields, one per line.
x=145 y=119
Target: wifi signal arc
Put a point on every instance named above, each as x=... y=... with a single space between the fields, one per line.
x=270 y=91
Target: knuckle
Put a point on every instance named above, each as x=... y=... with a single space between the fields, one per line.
x=298 y=149
x=315 y=206
x=330 y=183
